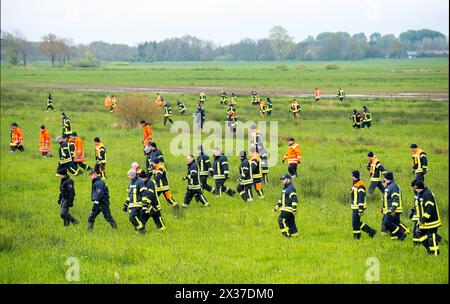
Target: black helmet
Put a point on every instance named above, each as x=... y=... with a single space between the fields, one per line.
x=355 y=174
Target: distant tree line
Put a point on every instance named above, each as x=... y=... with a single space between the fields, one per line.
x=15 y=48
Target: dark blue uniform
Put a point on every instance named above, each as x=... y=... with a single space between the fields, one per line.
x=204 y=165
x=358 y=205
x=66 y=159
x=100 y=198
x=66 y=126
x=220 y=175
x=245 y=180
x=66 y=198
x=149 y=160
x=429 y=221
x=392 y=210
x=50 y=102
x=137 y=196
x=194 y=189
x=153 y=208
x=288 y=206
x=167 y=114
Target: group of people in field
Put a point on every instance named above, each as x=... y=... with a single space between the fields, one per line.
x=424 y=212
x=362 y=119
x=147 y=183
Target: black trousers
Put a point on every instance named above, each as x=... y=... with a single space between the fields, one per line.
x=100 y=169
x=245 y=191
x=430 y=240
x=393 y=226
x=204 y=183
x=374 y=185
x=220 y=187
x=17 y=147
x=64 y=213
x=71 y=167
x=103 y=208
x=135 y=219
x=167 y=118
x=416 y=233
x=197 y=193
x=157 y=219
x=292 y=169
x=286 y=222
x=366 y=123
x=83 y=166
x=359 y=226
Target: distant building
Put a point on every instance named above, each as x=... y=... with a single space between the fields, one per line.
x=430 y=53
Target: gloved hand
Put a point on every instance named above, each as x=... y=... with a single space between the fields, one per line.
x=226 y=176
x=424 y=170
x=210 y=173
x=184 y=178
x=381 y=210
x=283 y=160
x=125 y=208
x=360 y=212
x=275 y=209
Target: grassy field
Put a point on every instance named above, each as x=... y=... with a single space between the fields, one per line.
x=428 y=75
x=230 y=242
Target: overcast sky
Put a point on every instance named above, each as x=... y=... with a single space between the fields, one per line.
x=222 y=21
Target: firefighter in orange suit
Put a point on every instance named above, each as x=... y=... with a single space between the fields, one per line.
x=108 y=102
x=79 y=156
x=159 y=100
x=45 y=147
x=293 y=155
x=147 y=133
x=16 y=138
x=317 y=94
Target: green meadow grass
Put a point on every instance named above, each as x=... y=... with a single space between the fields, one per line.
x=367 y=76
x=230 y=242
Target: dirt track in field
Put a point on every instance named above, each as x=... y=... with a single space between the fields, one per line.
x=210 y=90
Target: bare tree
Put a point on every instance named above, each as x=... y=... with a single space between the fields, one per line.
x=282 y=44
x=11 y=52
x=54 y=47
x=22 y=45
